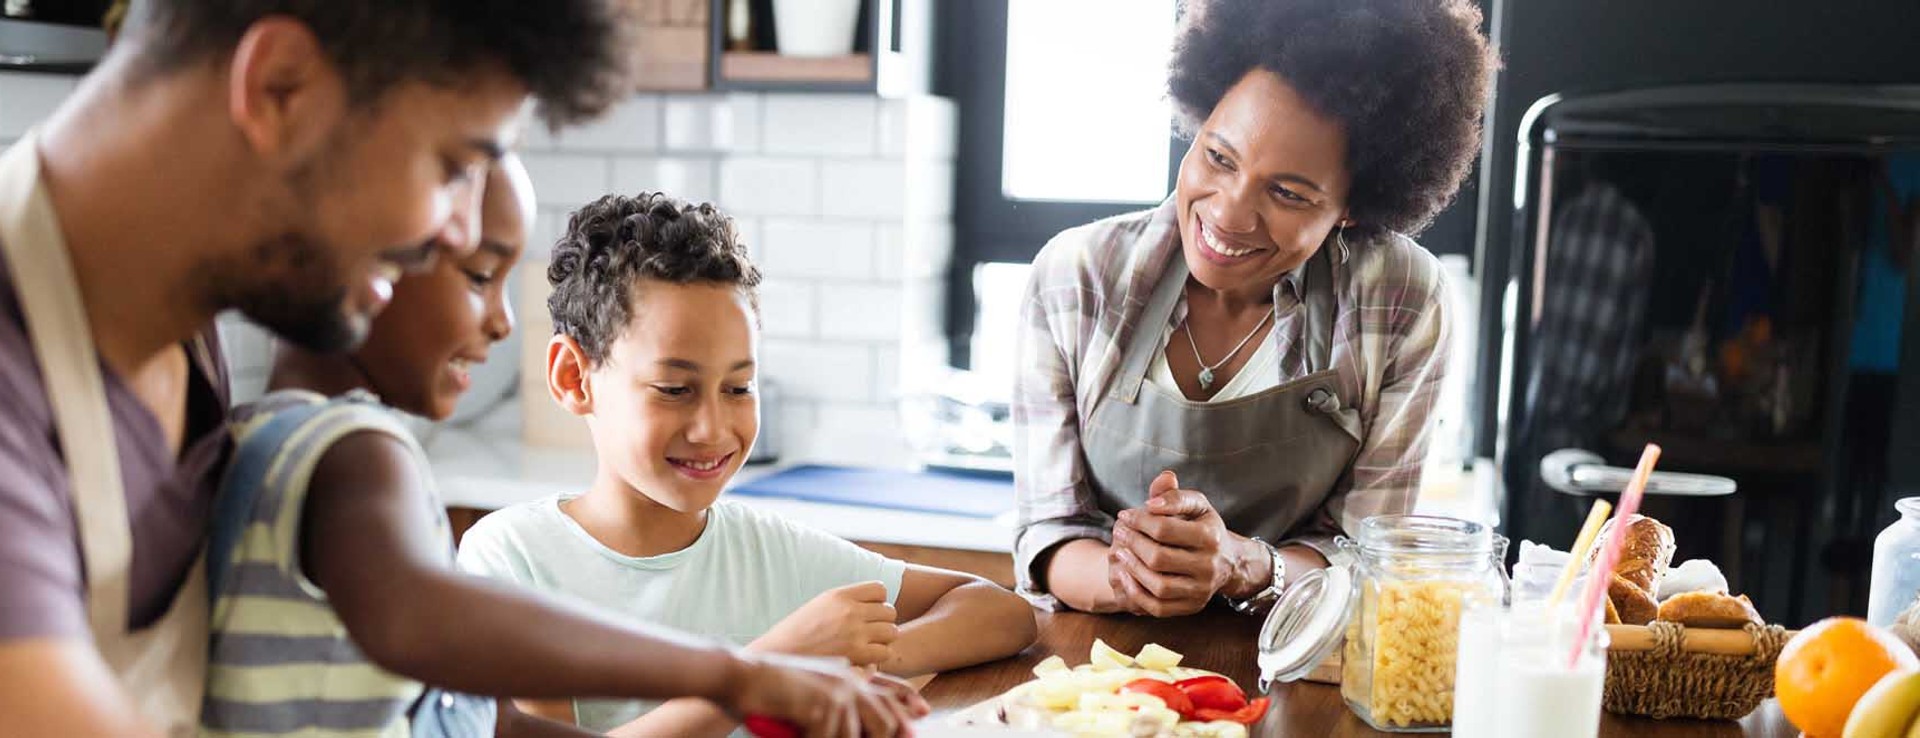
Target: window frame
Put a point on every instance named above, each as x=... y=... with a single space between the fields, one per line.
x=971 y=69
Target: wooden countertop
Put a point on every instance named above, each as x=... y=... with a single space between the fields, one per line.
x=1223 y=641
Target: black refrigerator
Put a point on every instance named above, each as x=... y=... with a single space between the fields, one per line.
x=1723 y=282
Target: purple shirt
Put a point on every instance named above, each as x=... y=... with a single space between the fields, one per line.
x=168 y=499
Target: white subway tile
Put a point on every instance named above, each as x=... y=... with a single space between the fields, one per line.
x=918 y=127
x=247 y=347
x=697 y=123
x=863 y=189
x=749 y=230
x=787 y=308
x=886 y=374
x=828 y=125
x=633 y=125
x=889 y=252
x=548 y=226
x=687 y=178
x=923 y=363
x=860 y=312
x=744 y=110
x=929 y=189
x=27 y=98
x=801 y=248
x=819 y=371
x=859 y=434
x=566 y=182
x=929 y=248
x=764 y=186
x=923 y=303
x=796 y=419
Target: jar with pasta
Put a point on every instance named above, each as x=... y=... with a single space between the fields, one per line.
x=1413 y=573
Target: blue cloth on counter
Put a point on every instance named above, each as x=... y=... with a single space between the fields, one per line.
x=948 y=493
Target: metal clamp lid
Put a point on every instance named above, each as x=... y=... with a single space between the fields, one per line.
x=1306 y=625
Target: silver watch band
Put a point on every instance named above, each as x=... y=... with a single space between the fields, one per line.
x=1265 y=597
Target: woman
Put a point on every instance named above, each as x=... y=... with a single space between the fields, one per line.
x=1215 y=388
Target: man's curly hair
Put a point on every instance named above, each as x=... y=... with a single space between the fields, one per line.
x=1407 y=79
x=615 y=242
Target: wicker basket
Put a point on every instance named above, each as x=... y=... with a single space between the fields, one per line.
x=1715 y=675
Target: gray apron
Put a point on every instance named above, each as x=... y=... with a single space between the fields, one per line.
x=1267 y=462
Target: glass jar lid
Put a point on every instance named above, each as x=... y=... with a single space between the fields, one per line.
x=1423 y=535
x=1306 y=624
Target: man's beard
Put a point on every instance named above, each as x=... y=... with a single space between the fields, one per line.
x=306 y=302
x=293 y=283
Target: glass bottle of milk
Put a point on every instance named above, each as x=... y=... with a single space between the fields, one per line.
x=1896 y=565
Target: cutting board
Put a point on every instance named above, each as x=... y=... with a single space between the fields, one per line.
x=942 y=492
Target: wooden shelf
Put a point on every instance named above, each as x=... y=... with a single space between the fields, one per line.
x=739 y=68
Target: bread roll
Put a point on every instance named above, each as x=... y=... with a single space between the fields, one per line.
x=1708 y=610
x=1613 y=613
x=1644 y=555
x=1636 y=605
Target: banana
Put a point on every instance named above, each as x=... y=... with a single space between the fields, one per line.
x=1889 y=709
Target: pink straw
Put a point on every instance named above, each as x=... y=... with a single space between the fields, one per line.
x=1602 y=572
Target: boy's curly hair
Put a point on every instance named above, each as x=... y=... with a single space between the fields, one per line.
x=1406 y=78
x=616 y=241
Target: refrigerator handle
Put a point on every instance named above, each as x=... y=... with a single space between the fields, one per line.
x=1581 y=473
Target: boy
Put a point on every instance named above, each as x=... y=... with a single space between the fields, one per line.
x=656 y=345
x=337 y=595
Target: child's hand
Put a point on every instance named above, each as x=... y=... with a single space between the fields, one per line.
x=825 y=698
x=852 y=622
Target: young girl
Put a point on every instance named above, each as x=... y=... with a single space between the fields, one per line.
x=657 y=348
x=337 y=596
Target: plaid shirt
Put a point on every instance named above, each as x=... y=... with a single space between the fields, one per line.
x=1600 y=252
x=1083 y=305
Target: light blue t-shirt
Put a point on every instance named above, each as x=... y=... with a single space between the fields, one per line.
x=744 y=573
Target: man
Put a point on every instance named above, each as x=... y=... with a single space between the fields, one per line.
x=285 y=158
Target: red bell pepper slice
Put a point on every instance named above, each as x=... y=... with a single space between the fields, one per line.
x=1176 y=700
x=1246 y=715
x=761 y=726
x=1213 y=693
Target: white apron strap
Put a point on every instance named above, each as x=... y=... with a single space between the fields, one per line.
x=57 y=322
x=162 y=666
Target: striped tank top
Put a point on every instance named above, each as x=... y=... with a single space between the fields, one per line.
x=281 y=661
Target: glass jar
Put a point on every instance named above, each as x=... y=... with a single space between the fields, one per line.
x=1412 y=575
x=1896 y=566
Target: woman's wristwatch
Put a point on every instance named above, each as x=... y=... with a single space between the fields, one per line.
x=1265 y=598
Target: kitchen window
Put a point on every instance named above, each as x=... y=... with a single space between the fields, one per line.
x=1063 y=121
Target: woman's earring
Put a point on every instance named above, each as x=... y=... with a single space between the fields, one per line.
x=1340 y=238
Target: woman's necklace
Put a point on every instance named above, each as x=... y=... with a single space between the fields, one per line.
x=1206 y=370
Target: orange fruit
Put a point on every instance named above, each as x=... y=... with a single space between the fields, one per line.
x=1825 y=669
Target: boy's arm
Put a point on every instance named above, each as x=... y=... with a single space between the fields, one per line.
x=364 y=542
x=949 y=620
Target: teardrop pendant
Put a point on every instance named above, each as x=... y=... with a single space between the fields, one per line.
x=1206 y=378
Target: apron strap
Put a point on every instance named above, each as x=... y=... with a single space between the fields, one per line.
x=1141 y=347
x=1321 y=310
x=56 y=321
